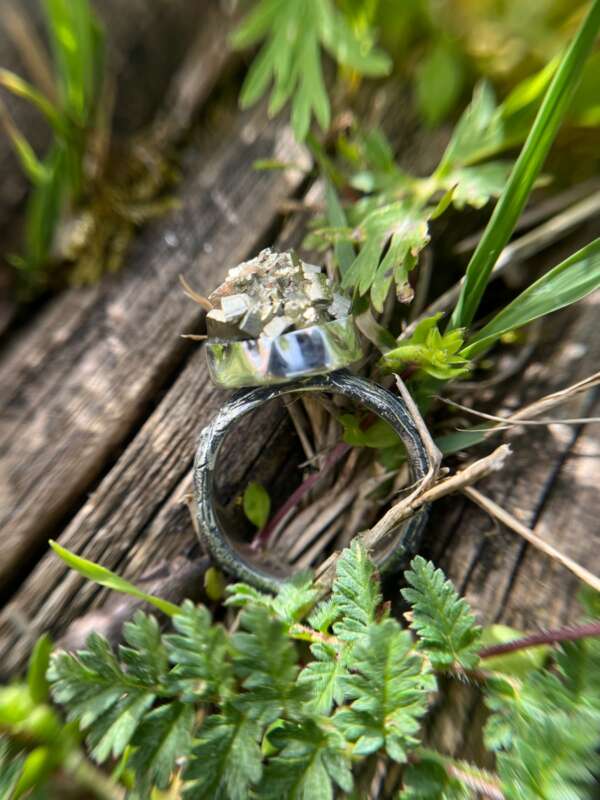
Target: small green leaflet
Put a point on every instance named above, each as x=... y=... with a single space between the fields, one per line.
x=293 y=35
x=436 y=354
x=257 y=504
x=441 y=617
x=355 y=592
x=568 y=282
x=163 y=736
x=265 y=659
x=388 y=684
x=310 y=761
x=199 y=648
x=226 y=761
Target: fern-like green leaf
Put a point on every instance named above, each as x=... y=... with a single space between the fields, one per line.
x=546 y=731
x=391 y=235
x=226 y=761
x=199 y=650
x=442 y=619
x=323 y=677
x=108 y=700
x=265 y=659
x=164 y=735
x=310 y=761
x=389 y=684
x=293 y=35
x=355 y=592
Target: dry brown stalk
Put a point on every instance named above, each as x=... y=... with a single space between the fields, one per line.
x=503 y=516
x=408 y=505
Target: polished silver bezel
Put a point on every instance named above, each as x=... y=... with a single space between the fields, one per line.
x=316 y=350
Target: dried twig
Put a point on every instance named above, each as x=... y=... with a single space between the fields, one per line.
x=508 y=422
x=409 y=505
x=513 y=523
x=299 y=422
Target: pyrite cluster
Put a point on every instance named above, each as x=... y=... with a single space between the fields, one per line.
x=270 y=295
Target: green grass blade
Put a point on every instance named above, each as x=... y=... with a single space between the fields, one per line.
x=526 y=169
x=565 y=284
x=22 y=88
x=104 y=577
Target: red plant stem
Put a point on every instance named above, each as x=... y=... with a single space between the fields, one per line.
x=262 y=537
x=567 y=634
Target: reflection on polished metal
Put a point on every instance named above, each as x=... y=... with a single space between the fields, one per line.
x=380 y=401
x=265 y=361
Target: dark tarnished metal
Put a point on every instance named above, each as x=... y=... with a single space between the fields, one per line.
x=383 y=403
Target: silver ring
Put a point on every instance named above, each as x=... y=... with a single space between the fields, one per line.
x=279 y=324
x=380 y=401
x=315 y=350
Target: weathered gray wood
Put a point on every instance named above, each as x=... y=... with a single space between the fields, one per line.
x=67 y=407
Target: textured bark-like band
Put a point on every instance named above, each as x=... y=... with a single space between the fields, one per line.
x=380 y=401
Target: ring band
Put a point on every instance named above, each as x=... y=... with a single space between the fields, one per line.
x=377 y=399
x=309 y=351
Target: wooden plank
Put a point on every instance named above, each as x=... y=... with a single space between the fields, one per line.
x=68 y=404
x=137 y=518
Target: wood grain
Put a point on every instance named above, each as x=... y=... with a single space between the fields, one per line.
x=71 y=397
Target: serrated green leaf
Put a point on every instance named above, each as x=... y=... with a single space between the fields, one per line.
x=355 y=592
x=442 y=619
x=392 y=237
x=199 y=650
x=265 y=659
x=295 y=598
x=293 y=35
x=226 y=761
x=257 y=504
x=475 y=186
x=310 y=761
x=546 y=730
x=389 y=684
x=323 y=677
x=567 y=283
x=164 y=735
x=106 y=697
x=478 y=131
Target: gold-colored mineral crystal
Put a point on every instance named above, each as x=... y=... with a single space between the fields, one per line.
x=272 y=294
